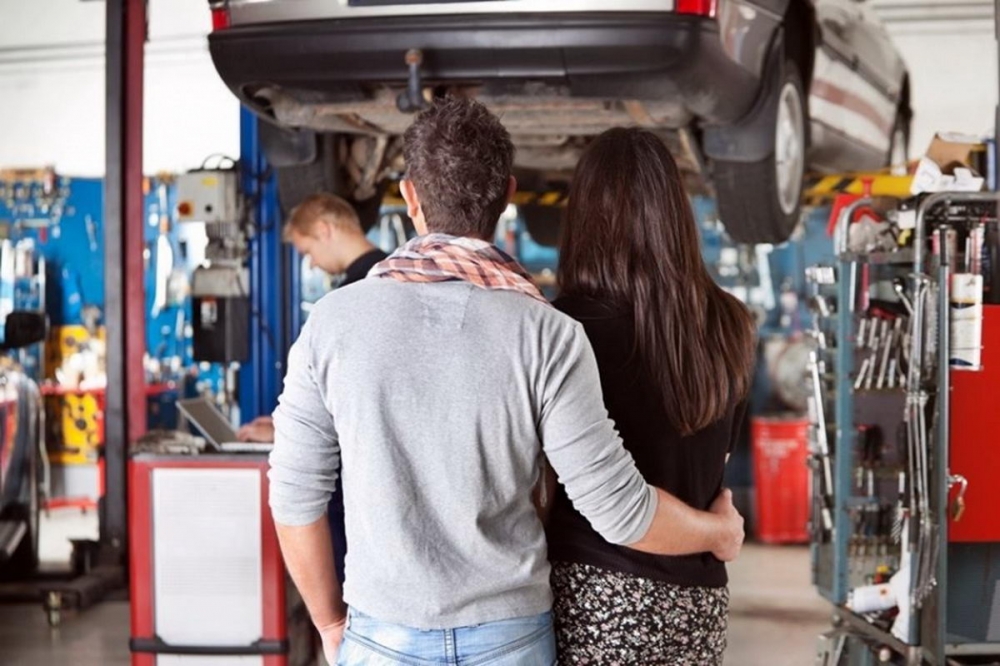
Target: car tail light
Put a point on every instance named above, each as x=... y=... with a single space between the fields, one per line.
x=220 y=18
x=696 y=7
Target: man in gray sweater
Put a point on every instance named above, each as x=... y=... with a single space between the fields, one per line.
x=438 y=384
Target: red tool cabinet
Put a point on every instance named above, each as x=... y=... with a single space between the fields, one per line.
x=975 y=439
x=206 y=577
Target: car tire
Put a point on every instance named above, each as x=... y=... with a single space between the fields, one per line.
x=324 y=174
x=759 y=202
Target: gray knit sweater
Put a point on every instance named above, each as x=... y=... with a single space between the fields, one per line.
x=437 y=401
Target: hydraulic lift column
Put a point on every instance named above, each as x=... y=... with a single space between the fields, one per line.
x=124 y=315
x=125 y=419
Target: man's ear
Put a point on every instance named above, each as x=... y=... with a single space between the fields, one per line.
x=511 y=188
x=323 y=230
x=409 y=193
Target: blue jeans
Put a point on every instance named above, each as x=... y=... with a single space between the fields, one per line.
x=522 y=641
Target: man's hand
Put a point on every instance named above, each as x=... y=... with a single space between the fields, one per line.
x=261 y=429
x=731 y=535
x=332 y=635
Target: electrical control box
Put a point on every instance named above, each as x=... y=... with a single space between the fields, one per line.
x=208 y=196
x=220 y=314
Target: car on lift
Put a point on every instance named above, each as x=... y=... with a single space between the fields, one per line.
x=748 y=94
x=21 y=449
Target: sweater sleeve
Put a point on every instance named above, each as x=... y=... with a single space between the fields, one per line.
x=306 y=455
x=584 y=449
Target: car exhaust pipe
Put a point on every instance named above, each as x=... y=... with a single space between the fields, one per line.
x=412 y=100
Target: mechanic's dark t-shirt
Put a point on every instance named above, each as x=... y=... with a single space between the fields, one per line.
x=690 y=468
x=359 y=269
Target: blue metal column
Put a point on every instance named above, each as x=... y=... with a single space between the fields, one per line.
x=261 y=377
x=293 y=262
x=843 y=453
x=844 y=438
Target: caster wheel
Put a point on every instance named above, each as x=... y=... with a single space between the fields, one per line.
x=53 y=609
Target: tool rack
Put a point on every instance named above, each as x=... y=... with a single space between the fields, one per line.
x=884 y=498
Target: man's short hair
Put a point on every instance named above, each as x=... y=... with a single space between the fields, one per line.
x=459 y=158
x=320 y=207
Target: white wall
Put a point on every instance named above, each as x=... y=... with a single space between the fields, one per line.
x=52 y=87
x=951 y=53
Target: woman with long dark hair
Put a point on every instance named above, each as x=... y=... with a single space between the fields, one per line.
x=676 y=356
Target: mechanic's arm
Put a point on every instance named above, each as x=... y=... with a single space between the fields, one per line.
x=601 y=478
x=304 y=465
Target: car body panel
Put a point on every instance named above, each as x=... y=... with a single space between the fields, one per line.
x=747 y=30
x=739 y=18
x=248 y=12
x=342 y=75
x=559 y=69
x=855 y=92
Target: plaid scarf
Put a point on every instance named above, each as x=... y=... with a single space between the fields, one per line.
x=444 y=258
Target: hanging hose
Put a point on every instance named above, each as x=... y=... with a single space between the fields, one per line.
x=915 y=434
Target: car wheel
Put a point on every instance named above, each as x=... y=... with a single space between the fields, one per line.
x=759 y=202
x=899 y=146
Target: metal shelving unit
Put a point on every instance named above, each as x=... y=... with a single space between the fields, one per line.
x=923 y=453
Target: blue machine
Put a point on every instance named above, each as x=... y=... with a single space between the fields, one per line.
x=55 y=227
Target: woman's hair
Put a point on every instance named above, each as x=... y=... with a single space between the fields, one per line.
x=630 y=239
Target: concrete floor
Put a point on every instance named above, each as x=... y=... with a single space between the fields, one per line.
x=774 y=621
x=775 y=614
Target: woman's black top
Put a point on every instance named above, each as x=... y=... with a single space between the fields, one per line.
x=690 y=468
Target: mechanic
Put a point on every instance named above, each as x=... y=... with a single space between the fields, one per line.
x=326 y=229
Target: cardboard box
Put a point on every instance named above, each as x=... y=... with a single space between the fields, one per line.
x=947 y=165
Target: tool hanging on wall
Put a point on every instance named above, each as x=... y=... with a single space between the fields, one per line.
x=820 y=277
x=817 y=413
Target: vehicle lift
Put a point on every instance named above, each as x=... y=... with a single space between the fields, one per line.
x=275 y=322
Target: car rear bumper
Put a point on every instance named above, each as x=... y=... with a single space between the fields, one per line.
x=650 y=57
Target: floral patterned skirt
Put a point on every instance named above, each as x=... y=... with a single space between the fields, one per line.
x=606 y=618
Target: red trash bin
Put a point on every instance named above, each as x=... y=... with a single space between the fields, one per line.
x=781 y=478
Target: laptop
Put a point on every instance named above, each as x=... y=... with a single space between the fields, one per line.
x=215 y=427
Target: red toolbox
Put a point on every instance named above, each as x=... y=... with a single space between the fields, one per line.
x=207 y=581
x=781 y=478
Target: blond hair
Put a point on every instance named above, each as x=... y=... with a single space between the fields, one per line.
x=321 y=207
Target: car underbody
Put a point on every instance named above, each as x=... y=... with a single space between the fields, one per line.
x=549 y=128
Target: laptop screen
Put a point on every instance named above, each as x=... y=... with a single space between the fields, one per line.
x=207 y=418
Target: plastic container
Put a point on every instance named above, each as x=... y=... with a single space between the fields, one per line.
x=781 y=478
